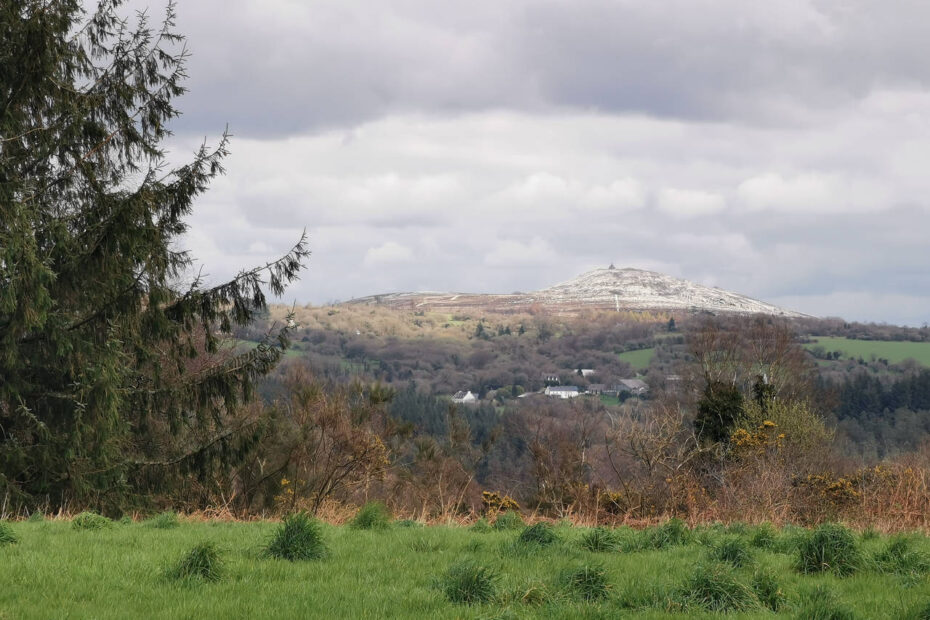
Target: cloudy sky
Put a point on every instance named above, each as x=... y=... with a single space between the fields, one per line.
x=777 y=149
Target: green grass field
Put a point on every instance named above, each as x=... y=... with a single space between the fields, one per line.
x=121 y=571
x=638 y=359
x=893 y=351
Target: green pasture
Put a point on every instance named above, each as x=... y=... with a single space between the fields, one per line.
x=53 y=570
x=638 y=359
x=891 y=350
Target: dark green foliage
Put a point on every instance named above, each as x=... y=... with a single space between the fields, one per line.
x=509 y=520
x=831 y=547
x=468 y=583
x=372 y=516
x=164 y=521
x=90 y=521
x=100 y=395
x=481 y=526
x=202 y=562
x=587 y=582
x=767 y=589
x=125 y=520
x=732 y=550
x=7 y=535
x=600 y=539
x=790 y=539
x=716 y=587
x=920 y=612
x=901 y=557
x=298 y=538
x=719 y=410
x=539 y=534
x=822 y=604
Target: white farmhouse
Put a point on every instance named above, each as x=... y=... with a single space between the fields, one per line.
x=562 y=391
x=464 y=398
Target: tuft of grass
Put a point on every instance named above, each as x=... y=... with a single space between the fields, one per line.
x=920 y=612
x=90 y=521
x=481 y=526
x=763 y=536
x=164 y=521
x=767 y=589
x=539 y=534
x=202 y=563
x=902 y=558
x=587 y=582
x=424 y=545
x=509 y=520
x=371 y=516
x=469 y=583
x=822 y=604
x=600 y=539
x=715 y=587
x=36 y=517
x=869 y=533
x=298 y=538
x=125 y=520
x=830 y=548
x=791 y=538
x=672 y=533
x=7 y=535
x=732 y=550
x=408 y=523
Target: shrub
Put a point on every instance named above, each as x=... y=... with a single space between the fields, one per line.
x=733 y=550
x=600 y=539
x=767 y=589
x=587 y=582
x=509 y=521
x=481 y=526
x=164 y=521
x=831 y=547
x=469 y=583
x=539 y=534
x=90 y=521
x=298 y=538
x=716 y=588
x=7 y=535
x=900 y=557
x=822 y=604
x=371 y=516
x=202 y=562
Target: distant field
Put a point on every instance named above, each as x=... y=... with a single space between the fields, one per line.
x=54 y=571
x=893 y=351
x=638 y=359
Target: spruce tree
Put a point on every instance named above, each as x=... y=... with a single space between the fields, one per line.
x=112 y=370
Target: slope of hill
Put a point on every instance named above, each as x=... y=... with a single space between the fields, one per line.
x=611 y=288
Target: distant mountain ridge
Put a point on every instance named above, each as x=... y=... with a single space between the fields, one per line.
x=610 y=288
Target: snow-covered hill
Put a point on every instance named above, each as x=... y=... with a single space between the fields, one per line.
x=610 y=288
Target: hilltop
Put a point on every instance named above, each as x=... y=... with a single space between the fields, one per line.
x=606 y=289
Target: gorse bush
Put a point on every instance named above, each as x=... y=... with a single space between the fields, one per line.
x=298 y=538
x=732 y=550
x=901 y=557
x=509 y=521
x=7 y=535
x=715 y=587
x=164 y=521
x=468 y=583
x=539 y=534
x=830 y=548
x=372 y=516
x=90 y=521
x=202 y=562
x=822 y=604
x=600 y=539
x=587 y=582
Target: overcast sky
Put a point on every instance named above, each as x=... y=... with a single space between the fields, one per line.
x=777 y=149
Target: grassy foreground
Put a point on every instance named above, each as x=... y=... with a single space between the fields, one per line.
x=53 y=570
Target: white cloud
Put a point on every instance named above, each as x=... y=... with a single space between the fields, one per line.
x=688 y=203
x=812 y=192
x=388 y=253
x=509 y=253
